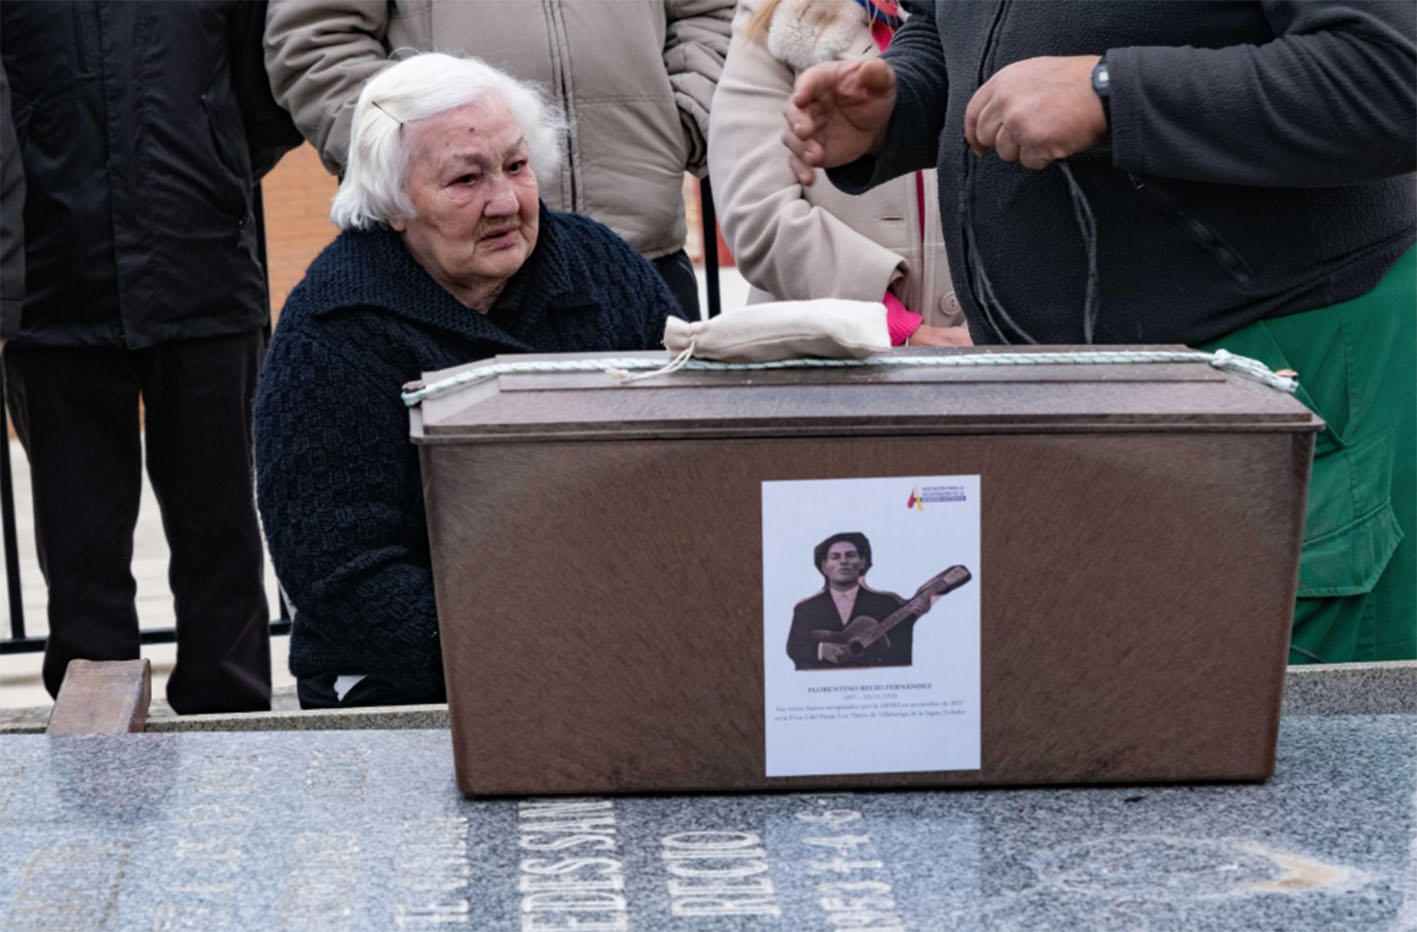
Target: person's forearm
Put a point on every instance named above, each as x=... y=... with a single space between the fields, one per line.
x=694 y=53
x=337 y=537
x=387 y=620
x=900 y=321
x=777 y=236
x=1332 y=100
x=912 y=139
x=318 y=56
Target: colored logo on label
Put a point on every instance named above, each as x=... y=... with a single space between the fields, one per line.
x=934 y=493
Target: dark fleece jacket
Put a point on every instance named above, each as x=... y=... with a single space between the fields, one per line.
x=338 y=480
x=1259 y=162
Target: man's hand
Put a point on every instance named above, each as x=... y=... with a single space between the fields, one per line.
x=837 y=113
x=926 y=335
x=833 y=653
x=1037 y=111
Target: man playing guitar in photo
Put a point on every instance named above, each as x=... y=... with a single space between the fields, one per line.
x=849 y=624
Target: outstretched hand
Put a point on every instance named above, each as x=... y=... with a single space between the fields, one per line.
x=1037 y=111
x=837 y=113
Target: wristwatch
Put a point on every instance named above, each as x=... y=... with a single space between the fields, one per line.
x=1102 y=87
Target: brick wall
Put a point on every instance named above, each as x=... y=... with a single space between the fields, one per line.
x=296 y=195
x=693 y=215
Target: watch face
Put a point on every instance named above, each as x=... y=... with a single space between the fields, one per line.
x=1100 y=82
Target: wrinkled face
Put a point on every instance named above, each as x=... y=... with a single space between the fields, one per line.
x=474 y=199
x=843 y=565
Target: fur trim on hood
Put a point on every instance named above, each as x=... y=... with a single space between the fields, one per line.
x=803 y=33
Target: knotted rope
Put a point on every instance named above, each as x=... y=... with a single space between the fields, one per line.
x=621 y=366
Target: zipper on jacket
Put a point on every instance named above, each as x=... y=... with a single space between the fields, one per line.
x=981 y=294
x=77 y=12
x=556 y=34
x=1199 y=232
x=987 y=54
x=112 y=133
x=920 y=204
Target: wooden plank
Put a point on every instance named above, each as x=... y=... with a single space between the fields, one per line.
x=108 y=697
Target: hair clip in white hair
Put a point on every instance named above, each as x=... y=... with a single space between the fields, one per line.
x=372 y=191
x=386 y=113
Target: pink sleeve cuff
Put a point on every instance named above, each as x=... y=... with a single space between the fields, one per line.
x=900 y=322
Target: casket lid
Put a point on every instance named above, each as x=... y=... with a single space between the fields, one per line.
x=857 y=400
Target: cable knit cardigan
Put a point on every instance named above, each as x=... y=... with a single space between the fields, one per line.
x=340 y=493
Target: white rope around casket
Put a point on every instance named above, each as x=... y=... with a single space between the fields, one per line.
x=621 y=366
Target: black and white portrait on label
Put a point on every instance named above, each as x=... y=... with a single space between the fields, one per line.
x=850 y=624
x=871 y=624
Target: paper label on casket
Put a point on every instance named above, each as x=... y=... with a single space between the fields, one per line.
x=838 y=697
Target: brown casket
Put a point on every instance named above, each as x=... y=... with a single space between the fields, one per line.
x=598 y=555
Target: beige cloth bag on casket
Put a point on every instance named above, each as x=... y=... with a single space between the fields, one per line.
x=831 y=328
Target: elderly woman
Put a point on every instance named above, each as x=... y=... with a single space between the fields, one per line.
x=446 y=255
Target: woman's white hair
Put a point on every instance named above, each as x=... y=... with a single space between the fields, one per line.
x=374 y=188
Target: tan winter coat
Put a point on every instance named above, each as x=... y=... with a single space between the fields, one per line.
x=792 y=242
x=635 y=78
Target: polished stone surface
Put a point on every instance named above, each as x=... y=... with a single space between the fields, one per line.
x=1386 y=687
x=292 y=718
x=365 y=830
x=1383 y=688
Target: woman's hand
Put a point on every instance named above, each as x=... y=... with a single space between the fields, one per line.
x=926 y=335
x=837 y=113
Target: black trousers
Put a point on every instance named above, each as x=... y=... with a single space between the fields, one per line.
x=76 y=412
x=678 y=273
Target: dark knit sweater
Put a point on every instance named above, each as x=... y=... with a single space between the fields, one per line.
x=1258 y=162
x=338 y=480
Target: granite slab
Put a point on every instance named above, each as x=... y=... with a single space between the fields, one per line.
x=366 y=830
x=1384 y=687
x=1380 y=688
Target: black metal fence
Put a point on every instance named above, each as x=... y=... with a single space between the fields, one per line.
x=7 y=530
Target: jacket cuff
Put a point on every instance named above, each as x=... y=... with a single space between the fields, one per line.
x=856 y=177
x=900 y=322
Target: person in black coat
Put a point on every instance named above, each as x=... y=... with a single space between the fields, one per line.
x=450 y=260
x=142 y=129
x=1234 y=176
x=843 y=560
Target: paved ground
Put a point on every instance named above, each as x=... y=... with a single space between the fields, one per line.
x=20 y=684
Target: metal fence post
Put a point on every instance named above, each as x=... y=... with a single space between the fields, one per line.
x=710 y=241
x=7 y=519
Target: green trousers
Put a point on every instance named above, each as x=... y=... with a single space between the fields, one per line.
x=1357 y=365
